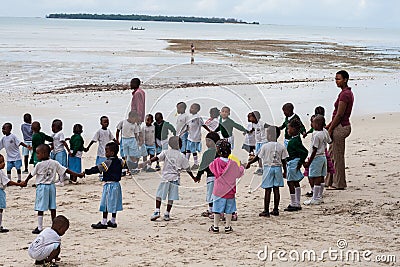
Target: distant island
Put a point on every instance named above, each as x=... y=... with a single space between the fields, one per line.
x=147 y=18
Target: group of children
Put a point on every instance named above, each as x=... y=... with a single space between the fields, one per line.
x=136 y=140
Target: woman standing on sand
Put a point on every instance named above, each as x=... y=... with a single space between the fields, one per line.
x=339 y=128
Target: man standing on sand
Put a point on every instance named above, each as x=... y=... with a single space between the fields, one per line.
x=138 y=99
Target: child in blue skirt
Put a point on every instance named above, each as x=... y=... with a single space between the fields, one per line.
x=76 y=151
x=111 y=200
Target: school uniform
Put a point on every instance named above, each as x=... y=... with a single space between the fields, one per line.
x=102 y=137
x=194 y=137
x=271 y=155
x=11 y=144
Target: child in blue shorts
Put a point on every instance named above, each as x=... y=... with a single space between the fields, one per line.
x=26 y=129
x=174 y=162
x=297 y=155
x=59 y=145
x=46 y=171
x=4 y=182
x=11 y=143
x=149 y=134
x=273 y=156
x=182 y=121
x=226 y=172
x=194 y=138
x=317 y=162
x=111 y=199
x=209 y=155
x=76 y=151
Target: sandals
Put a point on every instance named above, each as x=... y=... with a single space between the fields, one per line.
x=228 y=230
x=213 y=229
x=309 y=194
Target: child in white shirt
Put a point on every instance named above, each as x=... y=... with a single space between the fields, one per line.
x=182 y=125
x=59 y=145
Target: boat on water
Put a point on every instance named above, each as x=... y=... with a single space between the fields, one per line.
x=137 y=29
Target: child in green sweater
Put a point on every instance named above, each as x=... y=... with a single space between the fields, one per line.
x=76 y=151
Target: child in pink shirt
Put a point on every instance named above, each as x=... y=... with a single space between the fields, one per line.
x=226 y=172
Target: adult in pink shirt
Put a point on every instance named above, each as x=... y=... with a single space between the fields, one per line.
x=339 y=129
x=138 y=99
x=226 y=172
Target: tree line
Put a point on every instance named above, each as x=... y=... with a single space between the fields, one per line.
x=147 y=18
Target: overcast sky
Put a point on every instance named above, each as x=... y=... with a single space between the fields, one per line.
x=361 y=13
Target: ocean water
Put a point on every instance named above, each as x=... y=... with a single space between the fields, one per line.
x=39 y=54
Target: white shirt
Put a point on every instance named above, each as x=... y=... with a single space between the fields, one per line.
x=259 y=131
x=319 y=140
x=181 y=123
x=174 y=161
x=195 y=124
x=128 y=129
x=212 y=124
x=272 y=154
x=102 y=137
x=250 y=138
x=44 y=244
x=11 y=144
x=3 y=180
x=57 y=142
x=149 y=135
x=47 y=170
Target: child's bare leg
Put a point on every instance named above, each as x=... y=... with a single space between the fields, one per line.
x=54 y=254
x=267 y=199
x=104 y=219
x=158 y=203
x=26 y=161
x=277 y=198
x=114 y=217
x=260 y=164
x=19 y=175
x=53 y=214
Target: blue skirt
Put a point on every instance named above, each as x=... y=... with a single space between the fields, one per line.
x=111 y=200
x=2 y=199
x=75 y=164
x=294 y=175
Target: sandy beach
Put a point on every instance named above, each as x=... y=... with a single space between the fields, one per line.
x=366 y=215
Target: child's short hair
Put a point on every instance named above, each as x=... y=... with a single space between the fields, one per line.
x=288 y=106
x=223 y=148
x=175 y=142
x=228 y=108
x=273 y=133
x=46 y=148
x=113 y=147
x=183 y=104
x=256 y=114
x=296 y=124
x=78 y=128
x=197 y=106
x=149 y=116
x=213 y=136
x=133 y=114
x=60 y=220
x=344 y=74
x=214 y=112
x=8 y=124
x=158 y=115
x=103 y=117
x=319 y=119
x=57 y=123
x=135 y=83
x=27 y=118
x=1 y=158
x=319 y=111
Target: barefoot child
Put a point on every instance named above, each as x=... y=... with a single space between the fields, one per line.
x=209 y=155
x=46 y=171
x=76 y=151
x=26 y=129
x=174 y=162
x=11 y=144
x=317 y=162
x=4 y=182
x=297 y=155
x=47 y=245
x=273 y=156
x=111 y=199
x=226 y=172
